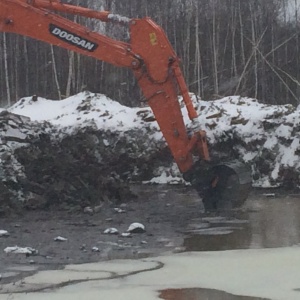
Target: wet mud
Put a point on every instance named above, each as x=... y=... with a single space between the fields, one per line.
x=207 y=294
x=163 y=210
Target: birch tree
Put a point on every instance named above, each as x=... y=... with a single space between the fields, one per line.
x=6 y=70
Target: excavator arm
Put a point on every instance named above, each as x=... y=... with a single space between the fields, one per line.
x=153 y=62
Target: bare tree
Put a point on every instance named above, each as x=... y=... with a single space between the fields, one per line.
x=6 y=70
x=55 y=72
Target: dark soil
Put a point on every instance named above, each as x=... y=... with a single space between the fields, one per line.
x=164 y=210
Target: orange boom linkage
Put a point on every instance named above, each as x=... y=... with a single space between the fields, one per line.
x=155 y=66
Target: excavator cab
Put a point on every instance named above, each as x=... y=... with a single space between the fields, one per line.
x=156 y=68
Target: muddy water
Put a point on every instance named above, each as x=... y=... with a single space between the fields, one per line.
x=201 y=294
x=264 y=222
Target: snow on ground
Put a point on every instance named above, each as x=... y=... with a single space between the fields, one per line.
x=81 y=110
x=167 y=175
x=266 y=273
x=258 y=131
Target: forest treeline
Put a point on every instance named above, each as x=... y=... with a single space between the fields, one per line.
x=227 y=47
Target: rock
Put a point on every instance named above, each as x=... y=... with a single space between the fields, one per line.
x=126 y=234
x=4 y=233
x=60 y=239
x=111 y=230
x=269 y=195
x=119 y=210
x=136 y=228
x=21 y=250
x=106 y=142
x=95 y=249
x=88 y=210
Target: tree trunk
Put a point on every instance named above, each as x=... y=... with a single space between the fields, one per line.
x=70 y=73
x=55 y=72
x=6 y=71
x=215 y=51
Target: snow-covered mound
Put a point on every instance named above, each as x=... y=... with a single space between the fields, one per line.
x=77 y=152
x=266 y=136
x=86 y=109
x=79 y=148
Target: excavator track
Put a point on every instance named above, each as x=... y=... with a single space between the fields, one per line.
x=223 y=186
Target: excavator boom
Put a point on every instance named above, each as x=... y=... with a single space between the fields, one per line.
x=148 y=54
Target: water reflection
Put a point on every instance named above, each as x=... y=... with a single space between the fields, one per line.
x=276 y=223
x=236 y=239
x=272 y=223
x=201 y=294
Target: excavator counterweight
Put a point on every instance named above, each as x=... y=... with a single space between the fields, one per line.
x=156 y=68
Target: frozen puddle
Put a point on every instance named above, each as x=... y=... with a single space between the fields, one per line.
x=246 y=274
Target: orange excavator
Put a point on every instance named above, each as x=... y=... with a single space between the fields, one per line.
x=156 y=68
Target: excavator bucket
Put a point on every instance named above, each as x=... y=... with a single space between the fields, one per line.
x=229 y=187
x=222 y=186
